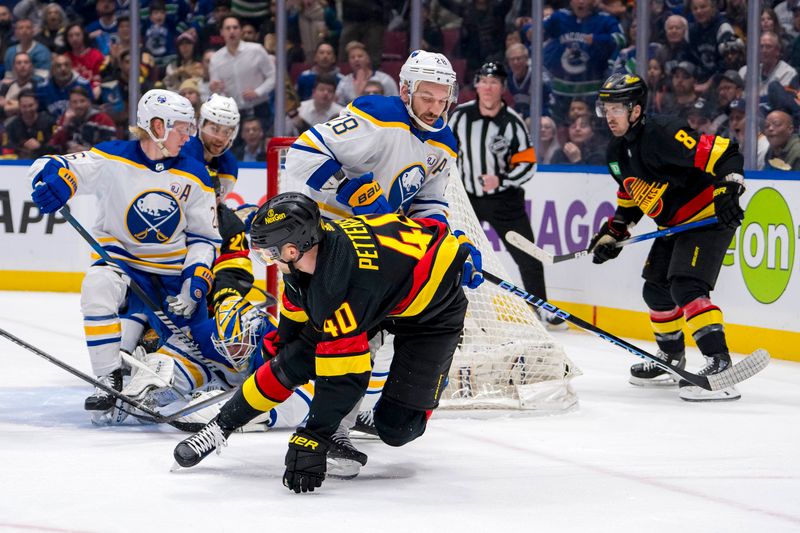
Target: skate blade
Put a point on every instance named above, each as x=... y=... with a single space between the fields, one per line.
x=698 y=395
x=343 y=468
x=176 y=467
x=669 y=382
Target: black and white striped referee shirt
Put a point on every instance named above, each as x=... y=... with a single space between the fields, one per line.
x=498 y=145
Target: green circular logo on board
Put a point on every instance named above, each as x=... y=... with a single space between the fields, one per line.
x=766 y=245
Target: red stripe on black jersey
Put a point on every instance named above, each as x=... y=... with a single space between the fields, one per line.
x=269 y=386
x=423 y=268
x=289 y=306
x=693 y=206
x=233 y=255
x=704 y=146
x=345 y=345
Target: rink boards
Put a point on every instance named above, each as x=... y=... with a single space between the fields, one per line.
x=758 y=287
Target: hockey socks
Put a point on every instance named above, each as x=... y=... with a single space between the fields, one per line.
x=261 y=392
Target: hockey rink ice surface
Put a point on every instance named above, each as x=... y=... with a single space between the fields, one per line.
x=627 y=459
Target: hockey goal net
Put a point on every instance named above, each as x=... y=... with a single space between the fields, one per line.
x=506 y=359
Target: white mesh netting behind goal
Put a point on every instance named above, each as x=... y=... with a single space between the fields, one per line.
x=506 y=360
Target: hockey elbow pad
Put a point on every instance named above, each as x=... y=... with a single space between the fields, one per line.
x=53 y=187
x=363 y=195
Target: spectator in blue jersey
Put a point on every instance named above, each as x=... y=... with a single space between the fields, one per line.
x=626 y=60
x=101 y=30
x=54 y=94
x=159 y=37
x=40 y=54
x=580 y=41
x=324 y=63
x=519 y=80
x=708 y=31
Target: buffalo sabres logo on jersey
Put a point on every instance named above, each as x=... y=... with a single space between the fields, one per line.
x=153 y=217
x=406 y=185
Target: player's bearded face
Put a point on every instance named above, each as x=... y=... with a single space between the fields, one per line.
x=429 y=101
x=216 y=137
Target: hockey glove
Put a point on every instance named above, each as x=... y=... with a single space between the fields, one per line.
x=363 y=195
x=193 y=290
x=53 y=186
x=246 y=213
x=604 y=243
x=726 y=200
x=472 y=275
x=305 y=461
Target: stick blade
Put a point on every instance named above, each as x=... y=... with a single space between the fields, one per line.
x=744 y=369
x=523 y=244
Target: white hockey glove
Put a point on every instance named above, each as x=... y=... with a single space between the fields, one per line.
x=193 y=291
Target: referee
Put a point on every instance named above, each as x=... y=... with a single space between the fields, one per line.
x=495 y=158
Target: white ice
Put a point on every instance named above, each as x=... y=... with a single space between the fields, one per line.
x=626 y=460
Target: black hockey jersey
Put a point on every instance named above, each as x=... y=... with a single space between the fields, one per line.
x=370 y=269
x=667 y=171
x=233 y=270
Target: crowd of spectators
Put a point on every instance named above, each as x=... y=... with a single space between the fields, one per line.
x=65 y=70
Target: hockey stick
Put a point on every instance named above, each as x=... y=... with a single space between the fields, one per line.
x=135 y=287
x=748 y=367
x=149 y=414
x=520 y=242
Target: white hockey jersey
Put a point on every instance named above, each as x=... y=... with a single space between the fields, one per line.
x=374 y=134
x=157 y=216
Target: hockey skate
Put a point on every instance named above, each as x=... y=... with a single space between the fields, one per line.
x=344 y=460
x=647 y=374
x=714 y=365
x=194 y=449
x=101 y=400
x=365 y=424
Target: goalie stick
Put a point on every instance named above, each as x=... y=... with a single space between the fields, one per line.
x=520 y=242
x=149 y=414
x=746 y=368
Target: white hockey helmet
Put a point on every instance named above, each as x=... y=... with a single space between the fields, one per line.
x=432 y=67
x=221 y=110
x=169 y=107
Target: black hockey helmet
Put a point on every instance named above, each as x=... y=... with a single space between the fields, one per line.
x=622 y=88
x=286 y=218
x=494 y=69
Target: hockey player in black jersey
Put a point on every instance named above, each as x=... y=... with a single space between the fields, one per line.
x=674 y=175
x=344 y=280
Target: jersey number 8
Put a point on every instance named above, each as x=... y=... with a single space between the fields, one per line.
x=684 y=138
x=348 y=123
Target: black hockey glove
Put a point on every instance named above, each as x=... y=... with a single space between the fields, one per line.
x=604 y=243
x=305 y=461
x=726 y=200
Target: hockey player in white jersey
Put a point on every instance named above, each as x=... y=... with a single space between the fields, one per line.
x=384 y=154
x=155 y=211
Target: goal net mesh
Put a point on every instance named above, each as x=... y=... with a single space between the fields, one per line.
x=506 y=359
